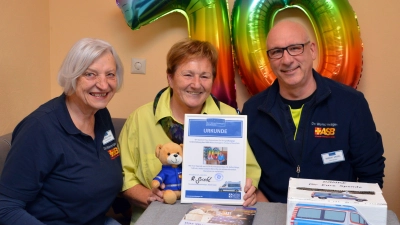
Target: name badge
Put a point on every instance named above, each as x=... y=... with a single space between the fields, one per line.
x=332 y=157
x=108 y=136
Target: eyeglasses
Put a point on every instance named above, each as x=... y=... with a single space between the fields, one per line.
x=293 y=50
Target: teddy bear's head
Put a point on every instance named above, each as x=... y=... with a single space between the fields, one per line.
x=170 y=153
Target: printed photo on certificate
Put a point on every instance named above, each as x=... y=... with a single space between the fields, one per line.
x=214 y=159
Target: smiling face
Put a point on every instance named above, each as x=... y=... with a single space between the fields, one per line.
x=96 y=87
x=170 y=153
x=294 y=73
x=191 y=84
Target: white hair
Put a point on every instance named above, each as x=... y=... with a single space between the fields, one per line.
x=80 y=57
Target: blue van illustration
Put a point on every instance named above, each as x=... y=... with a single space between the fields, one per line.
x=231 y=186
x=311 y=214
x=344 y=195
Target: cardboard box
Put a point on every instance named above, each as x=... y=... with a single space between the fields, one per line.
x=334 y=202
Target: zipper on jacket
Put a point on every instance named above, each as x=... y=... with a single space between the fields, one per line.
x=298 y=171
x=298 y=163
x=304 y=138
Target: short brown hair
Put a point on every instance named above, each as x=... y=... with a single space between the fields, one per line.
x=189 y=49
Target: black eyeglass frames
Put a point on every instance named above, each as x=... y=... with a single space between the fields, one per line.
x=293 y=50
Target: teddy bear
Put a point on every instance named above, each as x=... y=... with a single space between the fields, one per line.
x=170 y=156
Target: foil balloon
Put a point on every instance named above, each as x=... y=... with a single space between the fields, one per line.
x=208 y=20
x=337 y=35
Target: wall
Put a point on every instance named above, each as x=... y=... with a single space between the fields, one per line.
x=103 y=19
x=29 y=55
x=24 y=59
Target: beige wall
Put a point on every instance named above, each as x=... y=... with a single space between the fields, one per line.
x=24 y=59
x=33 y=46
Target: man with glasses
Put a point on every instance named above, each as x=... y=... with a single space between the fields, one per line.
x=308 y=126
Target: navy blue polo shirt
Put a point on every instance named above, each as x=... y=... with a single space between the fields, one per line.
x=62 y=174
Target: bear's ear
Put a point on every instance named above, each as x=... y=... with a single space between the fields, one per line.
x=158 y=150
x=181 y=146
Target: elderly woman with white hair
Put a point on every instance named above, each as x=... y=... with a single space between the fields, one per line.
x=64 y=166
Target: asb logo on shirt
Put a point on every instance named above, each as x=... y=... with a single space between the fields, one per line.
x=324 y=132
x=114 y=152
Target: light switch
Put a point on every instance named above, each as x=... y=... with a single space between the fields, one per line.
x=138 y=66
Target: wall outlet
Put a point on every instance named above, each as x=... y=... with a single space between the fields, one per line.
x=138 y=66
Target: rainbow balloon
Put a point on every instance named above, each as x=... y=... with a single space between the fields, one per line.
x=334 y=23
x=207 y=21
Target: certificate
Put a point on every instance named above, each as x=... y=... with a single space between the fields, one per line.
x=214 y=159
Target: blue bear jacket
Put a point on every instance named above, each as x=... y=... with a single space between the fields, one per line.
x=171 y=177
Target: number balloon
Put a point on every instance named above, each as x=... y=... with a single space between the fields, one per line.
x=208 y=21
x=334 y=23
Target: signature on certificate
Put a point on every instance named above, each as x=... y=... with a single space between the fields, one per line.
x=201 y=179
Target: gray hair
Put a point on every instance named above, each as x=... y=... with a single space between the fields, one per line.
x=80 y=57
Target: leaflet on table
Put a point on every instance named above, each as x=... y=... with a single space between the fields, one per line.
x=214 y=159
x=203 y=214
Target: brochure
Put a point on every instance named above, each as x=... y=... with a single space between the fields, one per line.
x=214 y=159
x=203 y=213
x=313 y=201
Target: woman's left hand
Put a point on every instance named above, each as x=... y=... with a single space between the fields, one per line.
x=250 y=196
x=157 y=194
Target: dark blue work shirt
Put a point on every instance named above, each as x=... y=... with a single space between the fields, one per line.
x=61 y=174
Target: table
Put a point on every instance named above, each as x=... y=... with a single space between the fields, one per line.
x=267 y=213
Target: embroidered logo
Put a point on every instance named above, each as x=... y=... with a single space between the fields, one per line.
x=324 y=132
x=108 y=137
x=114 y=153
